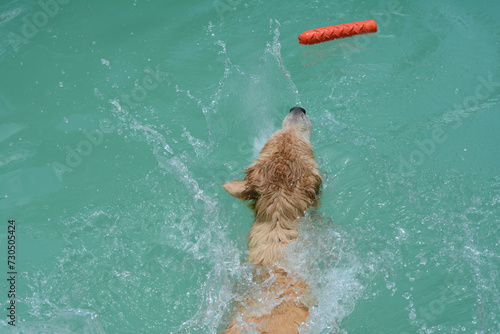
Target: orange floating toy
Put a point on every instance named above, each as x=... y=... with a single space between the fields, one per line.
x=338 y=31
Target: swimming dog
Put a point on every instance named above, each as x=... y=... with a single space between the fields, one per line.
x=281 y=185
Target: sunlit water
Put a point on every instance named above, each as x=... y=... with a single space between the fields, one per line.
x=120 y=121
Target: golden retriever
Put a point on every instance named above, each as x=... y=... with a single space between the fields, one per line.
x=282 y=183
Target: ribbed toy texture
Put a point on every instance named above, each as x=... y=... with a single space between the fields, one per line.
x=320 y=35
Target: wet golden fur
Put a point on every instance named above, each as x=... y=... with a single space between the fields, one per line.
x=282 y=183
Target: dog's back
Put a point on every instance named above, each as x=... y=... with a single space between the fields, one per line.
x=281 y=185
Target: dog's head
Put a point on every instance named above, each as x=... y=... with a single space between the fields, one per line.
x=285 y=166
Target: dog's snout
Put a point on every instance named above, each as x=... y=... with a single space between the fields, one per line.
x=298 y=120
x=298 y=109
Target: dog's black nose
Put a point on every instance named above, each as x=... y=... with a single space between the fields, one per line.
x=298 y=109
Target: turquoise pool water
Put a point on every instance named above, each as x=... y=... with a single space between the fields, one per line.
x=121 y=119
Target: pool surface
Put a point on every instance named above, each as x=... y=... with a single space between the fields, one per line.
x=120 y=120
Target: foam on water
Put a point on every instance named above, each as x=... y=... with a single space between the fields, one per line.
x=323 y=258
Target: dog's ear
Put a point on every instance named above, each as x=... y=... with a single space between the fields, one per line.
x=236 y=188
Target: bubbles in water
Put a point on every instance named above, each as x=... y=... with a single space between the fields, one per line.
x=105 y=62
